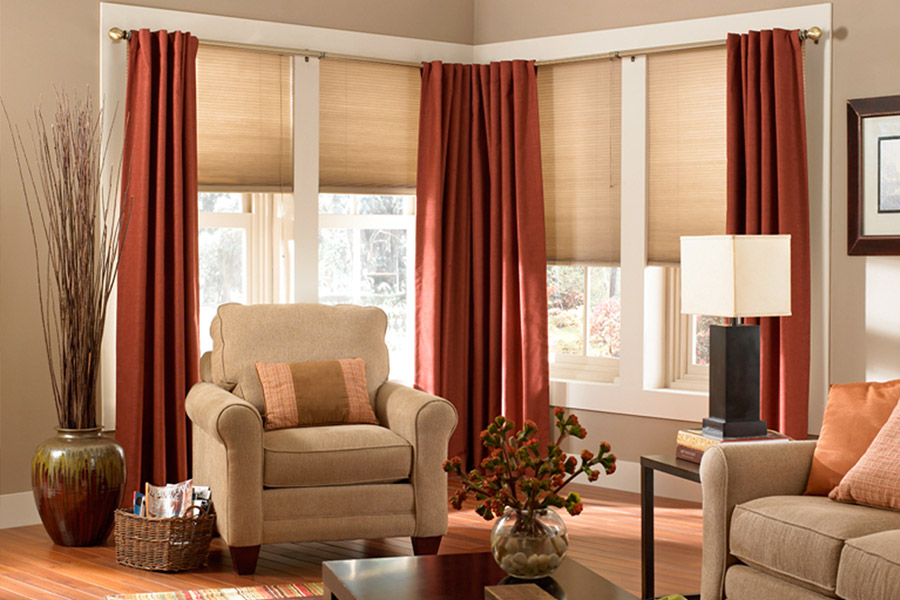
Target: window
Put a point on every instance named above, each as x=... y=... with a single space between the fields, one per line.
x=580 y=115
x=368 y=144
x=245 y=251
x=244 y=165
x=686 y=179
x=366 y=253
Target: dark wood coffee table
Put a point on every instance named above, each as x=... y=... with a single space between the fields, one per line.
x=452 y=577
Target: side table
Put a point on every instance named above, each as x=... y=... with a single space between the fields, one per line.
x=666 y=463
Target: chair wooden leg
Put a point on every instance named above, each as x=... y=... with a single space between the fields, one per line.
x=426 y=545
x=244 y=558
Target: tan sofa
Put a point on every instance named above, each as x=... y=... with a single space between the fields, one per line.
x=763 y=539
x=315 y=483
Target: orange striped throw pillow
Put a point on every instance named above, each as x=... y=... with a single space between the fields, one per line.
x=875 y=479
x=320 y=392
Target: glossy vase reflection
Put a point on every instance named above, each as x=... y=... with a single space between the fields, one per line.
x=529 y=544
x=78 y=478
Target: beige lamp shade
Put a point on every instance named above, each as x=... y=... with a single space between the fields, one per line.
x=736 y=275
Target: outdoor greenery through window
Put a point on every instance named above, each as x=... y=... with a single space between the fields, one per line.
x=584 y=310
x=366 y=247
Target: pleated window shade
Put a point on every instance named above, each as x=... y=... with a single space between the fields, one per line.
x=580 y=106
x=686 y=156
x=368 y=126
x=244 y=120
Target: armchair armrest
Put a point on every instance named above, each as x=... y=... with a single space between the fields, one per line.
x=426 y=422
x=734 y=473
x=228 y=457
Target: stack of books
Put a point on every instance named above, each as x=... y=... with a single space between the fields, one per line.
x=691 y=443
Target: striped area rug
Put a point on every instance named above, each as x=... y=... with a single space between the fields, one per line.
x=255 y=592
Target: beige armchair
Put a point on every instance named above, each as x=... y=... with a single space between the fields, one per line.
x=315 y=483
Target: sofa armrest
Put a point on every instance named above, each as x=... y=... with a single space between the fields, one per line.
x=426 y=422
x=738 y=472
x=228 y=457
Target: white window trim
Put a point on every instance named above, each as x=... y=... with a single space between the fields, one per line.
x=640 y=389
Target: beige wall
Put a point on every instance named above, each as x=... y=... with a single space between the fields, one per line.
x=441 y=20
x=47 y=42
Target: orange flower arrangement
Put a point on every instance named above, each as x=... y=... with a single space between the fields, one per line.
x=515 y=474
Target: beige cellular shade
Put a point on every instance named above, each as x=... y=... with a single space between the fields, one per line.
x=368 y=125
x=244 y=120
x=580 y=107
x=686 y=153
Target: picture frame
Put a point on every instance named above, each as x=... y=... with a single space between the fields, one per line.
x=873 y=176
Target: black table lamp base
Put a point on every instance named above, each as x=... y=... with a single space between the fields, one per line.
x=734 y=383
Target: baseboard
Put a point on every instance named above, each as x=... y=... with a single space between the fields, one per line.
x=627 y=478
x=18 y=510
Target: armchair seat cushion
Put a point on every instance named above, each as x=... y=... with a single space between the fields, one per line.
x=335 y=455
x=800 y=538
x=870 y=567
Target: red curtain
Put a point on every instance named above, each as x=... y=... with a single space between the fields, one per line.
x=481 y=265
x=157 y=349
x=768 y=193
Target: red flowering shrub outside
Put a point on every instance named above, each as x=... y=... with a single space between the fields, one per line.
x=605 y=326
x=517 y=475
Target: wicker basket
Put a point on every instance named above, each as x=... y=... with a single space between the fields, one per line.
x=176 y=544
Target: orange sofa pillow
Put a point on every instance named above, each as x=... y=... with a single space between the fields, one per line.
x=319 y=392
x=854 y=415
x=874 y=480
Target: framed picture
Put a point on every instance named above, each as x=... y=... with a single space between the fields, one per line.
x=873 y=176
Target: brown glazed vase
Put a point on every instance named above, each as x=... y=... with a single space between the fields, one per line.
x=78 y=478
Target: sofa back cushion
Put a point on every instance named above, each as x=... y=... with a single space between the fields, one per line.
x=289 y=333
x=854 y=414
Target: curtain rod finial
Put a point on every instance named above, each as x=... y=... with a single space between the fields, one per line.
x=813 y=33
x=117 y=34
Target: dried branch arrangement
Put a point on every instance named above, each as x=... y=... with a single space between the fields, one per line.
x=77 y=230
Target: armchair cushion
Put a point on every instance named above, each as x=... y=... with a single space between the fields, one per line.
x=778 y=534
x=318 y=392
x=287 y=333
x=335 y=455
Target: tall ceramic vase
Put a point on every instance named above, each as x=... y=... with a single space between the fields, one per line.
x=78 y=478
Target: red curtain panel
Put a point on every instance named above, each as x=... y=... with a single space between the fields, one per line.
x=157 y=346
x=481 y=265
x=768 y=193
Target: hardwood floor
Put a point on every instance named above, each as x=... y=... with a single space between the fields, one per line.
x=605 y=538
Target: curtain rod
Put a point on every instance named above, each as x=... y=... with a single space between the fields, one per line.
x=117 y=34
x=813 y=33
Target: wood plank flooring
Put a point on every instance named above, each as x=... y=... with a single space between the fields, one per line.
x=605 y=538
